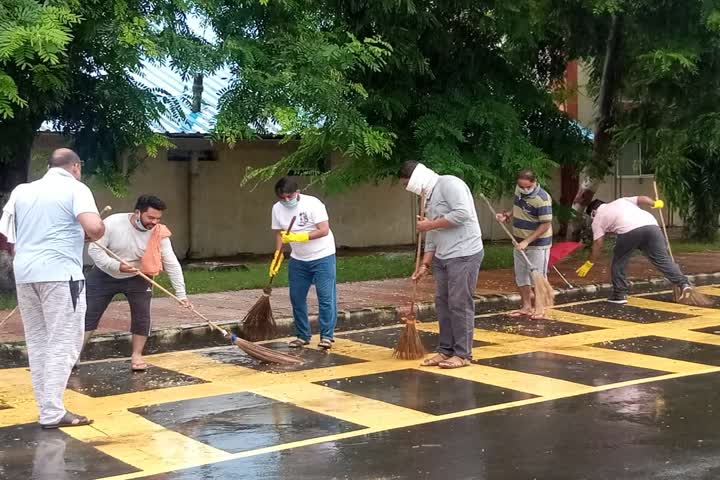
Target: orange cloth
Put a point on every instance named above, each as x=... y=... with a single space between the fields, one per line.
x=151 y=262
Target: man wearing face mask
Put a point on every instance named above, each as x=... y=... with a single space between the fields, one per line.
x=140 y=239
x=454 y=251
x=312 y=261
x=636 y=229
x=532 y=228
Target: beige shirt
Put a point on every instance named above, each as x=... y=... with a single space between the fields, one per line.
x=129 y=243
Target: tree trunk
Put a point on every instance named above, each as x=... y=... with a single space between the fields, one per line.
x=593 y=174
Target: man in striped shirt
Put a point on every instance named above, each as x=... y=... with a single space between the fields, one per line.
x=532 y=228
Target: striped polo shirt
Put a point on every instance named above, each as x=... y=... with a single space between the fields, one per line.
x=529 y=211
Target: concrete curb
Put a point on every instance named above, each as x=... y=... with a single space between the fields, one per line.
x=193 y=336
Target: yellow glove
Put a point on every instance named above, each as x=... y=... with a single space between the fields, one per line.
x=583 y=271
x=276 y=262
x=288 y=237
x=658 y=204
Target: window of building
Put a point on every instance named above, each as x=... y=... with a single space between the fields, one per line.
x=632 y=163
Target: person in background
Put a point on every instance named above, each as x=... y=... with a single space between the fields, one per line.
x=454 y=251
x=48 y=221
x=636 y=229
x=139 y=238
x=532 y=218
x=312 y=261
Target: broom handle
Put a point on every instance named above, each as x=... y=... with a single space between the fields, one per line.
x=662 y=222
x=164 y=290
x=292 y=222
x=507 y=231
x=419 y=252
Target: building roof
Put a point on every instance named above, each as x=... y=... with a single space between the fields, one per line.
x=170 y=85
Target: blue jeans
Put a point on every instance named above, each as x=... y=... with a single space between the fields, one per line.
x=321 y=273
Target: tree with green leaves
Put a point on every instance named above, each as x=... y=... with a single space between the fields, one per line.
x=654 y=73
x=465 y=86
x=70 y=63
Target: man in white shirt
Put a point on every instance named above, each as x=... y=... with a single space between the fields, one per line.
x=312 y=261
x=636 y=229
x=129 y=235
x=48 y=221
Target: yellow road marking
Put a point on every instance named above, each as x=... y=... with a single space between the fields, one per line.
x=143 y=444
x=345 y=406
x=524 y=382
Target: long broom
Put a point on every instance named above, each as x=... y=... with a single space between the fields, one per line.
x=259 y=323
x=410 y=346
x=544 y=294
x=694 y=297
x=256 y=351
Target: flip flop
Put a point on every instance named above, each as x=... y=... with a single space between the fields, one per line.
x=68 y=420
x=139 y=367
x=535 y=316
x=435 y=360
x=518 y=314
x=298 y=343
x=454 y=362
x=325 y=344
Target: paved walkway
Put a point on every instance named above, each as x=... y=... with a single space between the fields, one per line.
x=229 y=306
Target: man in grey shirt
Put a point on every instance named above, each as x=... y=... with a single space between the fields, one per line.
x=454 y=249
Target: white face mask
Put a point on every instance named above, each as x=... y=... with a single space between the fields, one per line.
x=139 y=224
x=523 y=191
x=422 y=180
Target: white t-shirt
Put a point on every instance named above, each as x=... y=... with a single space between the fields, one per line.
x=49 y=239
x=621 y=216
x=129 y=243
x=309 y=212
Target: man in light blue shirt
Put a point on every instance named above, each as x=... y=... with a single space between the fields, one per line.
x=49 y=220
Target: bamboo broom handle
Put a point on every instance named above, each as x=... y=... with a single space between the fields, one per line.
x=419 y=241
x=292 y=222
x=164 y=290
x=507 y=231
x=662 y=222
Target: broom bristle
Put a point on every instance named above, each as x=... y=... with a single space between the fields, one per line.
x=409 y=346
x=265 y=354
x=259 y=323
x=544 y=293
x=696 y=299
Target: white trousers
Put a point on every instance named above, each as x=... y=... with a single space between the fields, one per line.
x=53 y=315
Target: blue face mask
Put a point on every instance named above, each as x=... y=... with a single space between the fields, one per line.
x=290 y=203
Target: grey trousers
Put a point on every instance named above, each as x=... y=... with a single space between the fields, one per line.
x=651 y=242
x=455 y=282
x=53 y=315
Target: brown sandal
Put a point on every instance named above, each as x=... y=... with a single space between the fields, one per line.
x=454 y=362
x=434 y=361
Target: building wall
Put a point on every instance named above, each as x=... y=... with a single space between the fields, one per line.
x=212 y=215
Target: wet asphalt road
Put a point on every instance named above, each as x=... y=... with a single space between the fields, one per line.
x=595 y=392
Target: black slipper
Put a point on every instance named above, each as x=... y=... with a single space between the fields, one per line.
x=69 y=420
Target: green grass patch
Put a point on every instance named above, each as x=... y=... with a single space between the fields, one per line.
x=349 y=269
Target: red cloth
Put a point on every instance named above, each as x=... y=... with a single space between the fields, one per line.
x=151 y=263
x=562 y=250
